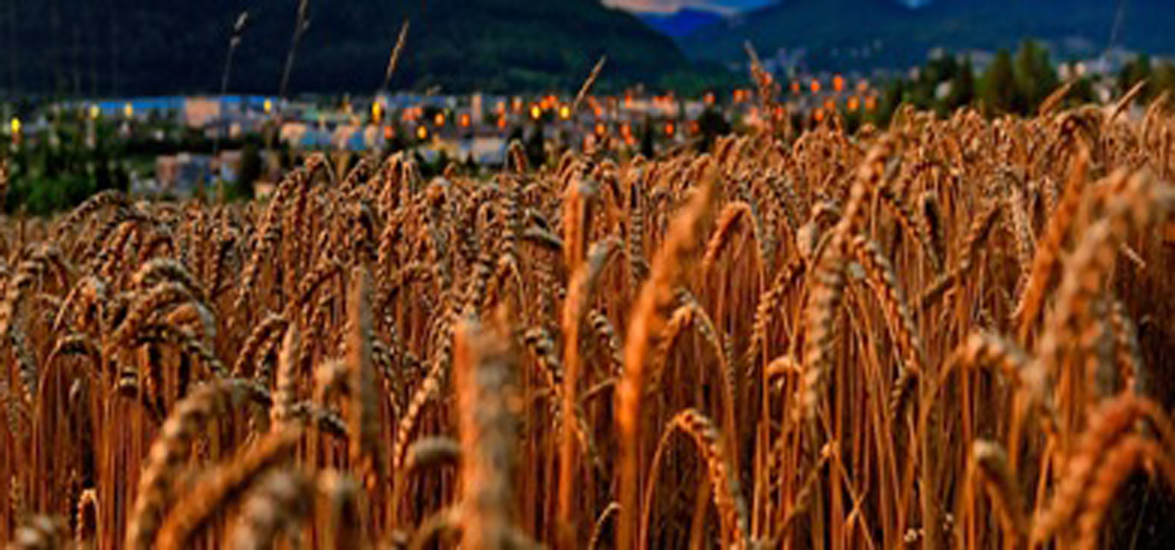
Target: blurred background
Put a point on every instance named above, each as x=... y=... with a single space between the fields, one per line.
x=178 y=98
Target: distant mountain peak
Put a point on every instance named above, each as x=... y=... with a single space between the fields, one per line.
x=681 y=23
x=915 y=4
x=863 y=35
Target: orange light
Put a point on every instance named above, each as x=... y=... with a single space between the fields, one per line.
x=854 y=103
x=626 y=130
x=694 y=128
x=565 y=112
x=838 y=83
x=421 y=133
x=389 y=133
x=871 y=103
x=795 y=86
x=670 y=129
x=465 y=120
x=815 y=86
x=536 y=112
x=377 y=112
x=439 y=120
x=709 y=98
x=863 y=86
x=599 y=112
x=829 y=105
x=601 y=129
x=818 y=115
x=502 y=122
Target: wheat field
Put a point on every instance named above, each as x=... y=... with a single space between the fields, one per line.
x=946 y=334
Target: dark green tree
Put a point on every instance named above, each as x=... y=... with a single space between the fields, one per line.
x=963 y=87
x=1135 y=72
x=1163 y=79
x=891 y=98
x=711 y=124
x=1082 y=92
x=648 y=149
x=249 y=173
x=536 y=154
x=999 y=84
x=1034 y=75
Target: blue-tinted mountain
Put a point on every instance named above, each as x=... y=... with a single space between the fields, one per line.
x=681 y=23
x=842 y=34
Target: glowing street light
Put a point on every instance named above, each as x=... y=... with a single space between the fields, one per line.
x=15 y=126
x=536 y=112
x=377 y=112
x=439 y=120
x=565 y=112
x=421 y=132
x=128 y=110
x=268 y=106
x=94 y=112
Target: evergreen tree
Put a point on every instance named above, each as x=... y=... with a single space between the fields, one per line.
x=536 y=154
x=711 y=124
x=1163 y=79
x=249 y=173
x=999 y=84
x=963 y=87
x=1082 y=92
x=1034 y=75
x=647 y=147
x=891 y=99
x=1135 y=72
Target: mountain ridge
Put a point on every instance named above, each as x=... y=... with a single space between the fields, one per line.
x=681 y=23
x=163 y=47
x=851 y=34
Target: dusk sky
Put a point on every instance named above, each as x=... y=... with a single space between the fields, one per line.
x=669 y=6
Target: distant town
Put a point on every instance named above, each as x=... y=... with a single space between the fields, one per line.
x=473 y=129
x=180 y=145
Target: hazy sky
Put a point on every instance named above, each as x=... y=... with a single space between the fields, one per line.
x=669 y=6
